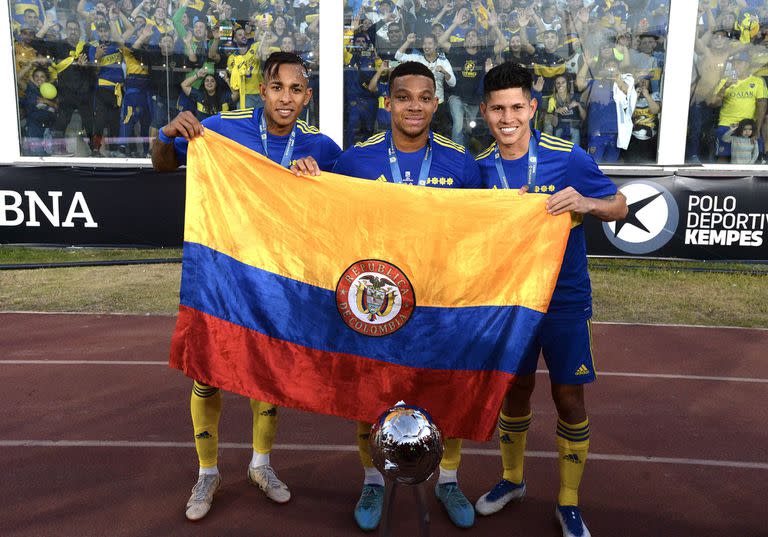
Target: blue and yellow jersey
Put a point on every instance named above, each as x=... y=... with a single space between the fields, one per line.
x=242 y=126
x=452 y=166
x=20 y=6
x=196 y=8
x=560 y=165
x=110 y=65
x=136 y=71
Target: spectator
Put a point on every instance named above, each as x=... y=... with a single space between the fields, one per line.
x=471 y=61
x=21 y=12
x=379 y=86
x=244 y=66
x=359 y=68
x=712 y=51
x=106 y=54
x=516 y=53
x=744 y=147
x=441 y=69
x=647 y=61
x=740 y=95
x=549 y=58
x=214 y=95
x=610 y=104
x=428 y=13
x=40 y=112
x=564 y=112
x=645 y=119
x=75 y=81
x=27 y=57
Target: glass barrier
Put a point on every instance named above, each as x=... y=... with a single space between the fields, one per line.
x=98 y=78
x=726 y=122
x=597 y=66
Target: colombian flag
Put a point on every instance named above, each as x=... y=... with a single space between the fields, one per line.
x=343 y=296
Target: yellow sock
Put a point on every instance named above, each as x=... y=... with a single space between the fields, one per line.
x=205 y=407
x=264 y=425
x=451 y=454
x=572 y=445
x=363 y=448
x=513 y=432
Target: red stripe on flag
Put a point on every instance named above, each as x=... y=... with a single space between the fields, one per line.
x=464 y=404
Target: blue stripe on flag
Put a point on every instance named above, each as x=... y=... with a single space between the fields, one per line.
x=468 y=338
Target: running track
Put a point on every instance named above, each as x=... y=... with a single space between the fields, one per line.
x=96 y=441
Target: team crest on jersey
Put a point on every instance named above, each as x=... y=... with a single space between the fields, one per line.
x=374 y=297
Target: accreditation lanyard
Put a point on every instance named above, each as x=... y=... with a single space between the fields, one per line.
x=533 y=152
x=395 y=168
x=285 y=162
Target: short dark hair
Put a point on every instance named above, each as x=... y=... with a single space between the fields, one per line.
x=507 y=75
x=410 y=68
x=276 y=59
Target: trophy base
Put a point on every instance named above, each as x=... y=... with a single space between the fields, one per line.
x=419 y=494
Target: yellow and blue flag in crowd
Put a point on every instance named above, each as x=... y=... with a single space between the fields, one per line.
x=343 y=296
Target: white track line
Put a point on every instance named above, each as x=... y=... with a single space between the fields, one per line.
x=671 y=376
x=353 y=449
x=83 y=362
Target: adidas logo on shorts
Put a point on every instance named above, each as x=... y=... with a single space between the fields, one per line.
x=582 y=370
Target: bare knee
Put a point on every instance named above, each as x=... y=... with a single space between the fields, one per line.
x=569 y=401
x=517 y=402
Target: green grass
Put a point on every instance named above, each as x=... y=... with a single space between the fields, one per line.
x=625 y=290
x=20 y=255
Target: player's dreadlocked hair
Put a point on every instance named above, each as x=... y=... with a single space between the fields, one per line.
x=410 y=68
x=507 y=75
x=276 y=59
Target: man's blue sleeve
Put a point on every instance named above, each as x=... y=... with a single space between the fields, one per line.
x=585 y=176
x=180 y=143
x=345 y=163
x=471 y=175
x=330 y=154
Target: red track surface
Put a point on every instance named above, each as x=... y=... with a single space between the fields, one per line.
x=140 y=488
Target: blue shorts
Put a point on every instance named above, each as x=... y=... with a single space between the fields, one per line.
x=567 y=348
x=722 y=149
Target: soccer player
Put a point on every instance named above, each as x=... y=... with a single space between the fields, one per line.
x=410 y=154
x=539 y=163
x=276 y=132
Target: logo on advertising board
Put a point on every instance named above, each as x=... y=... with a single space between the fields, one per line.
x=651 y=221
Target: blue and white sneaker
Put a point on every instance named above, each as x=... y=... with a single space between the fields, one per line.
x=459 y=509
x=499 y=496
x=570 y=520
x=369 y=507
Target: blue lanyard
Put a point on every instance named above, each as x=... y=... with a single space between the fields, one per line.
x=533 y=158
x=395 y=168
x=285 y=162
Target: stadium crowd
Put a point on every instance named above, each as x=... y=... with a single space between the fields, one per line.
x=128 y=66
x=597 y=66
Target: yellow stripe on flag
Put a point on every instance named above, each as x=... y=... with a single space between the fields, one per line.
x=457 y=247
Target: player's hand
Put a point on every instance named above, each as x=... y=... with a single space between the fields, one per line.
x=305 y=166
x=185 y=125
x=523 y=190
x=568 y=200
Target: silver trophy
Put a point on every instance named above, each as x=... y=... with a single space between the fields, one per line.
x=406 y=447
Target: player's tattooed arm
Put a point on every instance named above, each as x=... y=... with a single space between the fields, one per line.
x=610 y=208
